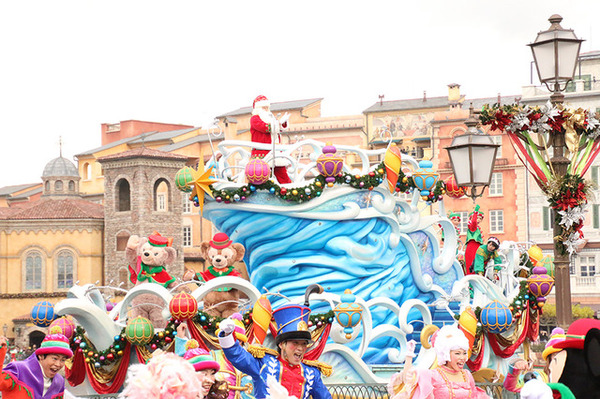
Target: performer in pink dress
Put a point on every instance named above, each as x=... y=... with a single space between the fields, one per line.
x=449 y=380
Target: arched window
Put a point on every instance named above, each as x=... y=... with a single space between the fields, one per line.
x=122 y=238
x=87 y=171
x=33 y=271
x=47 y=186
x=123 y=196
x=65 y=269
x=58 y=185
x=161 y=196
x=71 y=185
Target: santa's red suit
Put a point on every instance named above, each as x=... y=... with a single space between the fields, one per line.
x=261 y=129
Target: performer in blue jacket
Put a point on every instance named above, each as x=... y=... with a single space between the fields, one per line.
x=287 y=365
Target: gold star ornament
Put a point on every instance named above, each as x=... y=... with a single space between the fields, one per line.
x=201 y=184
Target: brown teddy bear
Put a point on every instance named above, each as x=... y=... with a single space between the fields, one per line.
x=221 y=253
x=148 y=259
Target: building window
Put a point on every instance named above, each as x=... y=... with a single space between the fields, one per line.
x=595 y=175
x=123 y=196
x=71 y=185
x=464 y=222
x=595 y=216
x=122 y=239
x=587 y=83
x=548 y=220
x=161 y=196
x=187 y=236
x=496 y=184
x=497 y=221
x=58 y=185
x=65 y=266
x=47 y=186
x=587 y=266
x=87 y=171
x=161 y=202
x=497 y=139
x=33 y=271
x=186 y=204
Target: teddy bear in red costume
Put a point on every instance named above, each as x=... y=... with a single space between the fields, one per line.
x=221 y=254
x=264 y=128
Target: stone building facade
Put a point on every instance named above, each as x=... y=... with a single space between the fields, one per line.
x=139 y=198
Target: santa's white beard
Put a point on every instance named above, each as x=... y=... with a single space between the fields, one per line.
x=266 y=116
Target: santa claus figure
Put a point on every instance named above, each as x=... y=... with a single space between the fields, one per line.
x=265 y=128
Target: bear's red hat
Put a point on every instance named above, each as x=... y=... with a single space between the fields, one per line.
x=575 y=336
x=158 y=241
x=220 y=241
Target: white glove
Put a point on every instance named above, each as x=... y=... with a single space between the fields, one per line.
x=226 y=326
x=410 y=348
x=284 y=119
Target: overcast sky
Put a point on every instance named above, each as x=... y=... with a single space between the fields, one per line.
x=68 y=66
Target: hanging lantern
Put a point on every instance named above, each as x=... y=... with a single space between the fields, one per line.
x=535 y=254
x=139 y=331
x=183 y=179
x=425 y=177
x=329 y=164
x=66 y=325
x=257 y=171
x=452 y=189
x=496 y=317
x=348 y=313
x=43 y=314
x=540 y=284
x=183 y=306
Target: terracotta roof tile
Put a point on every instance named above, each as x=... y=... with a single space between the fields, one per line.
x=143 y=152
x=55 y=209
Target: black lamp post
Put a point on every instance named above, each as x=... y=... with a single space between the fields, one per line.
x=555 y=52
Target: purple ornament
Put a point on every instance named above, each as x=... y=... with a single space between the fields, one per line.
x=329 y=164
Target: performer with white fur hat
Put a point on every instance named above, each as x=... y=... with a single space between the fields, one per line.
x=449 y=380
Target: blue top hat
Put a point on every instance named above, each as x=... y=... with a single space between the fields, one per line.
x=292 y=323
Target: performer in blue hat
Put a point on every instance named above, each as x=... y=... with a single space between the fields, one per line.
x=287 y=365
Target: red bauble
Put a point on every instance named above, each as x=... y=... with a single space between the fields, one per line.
x=452 y=189
x=183 y=306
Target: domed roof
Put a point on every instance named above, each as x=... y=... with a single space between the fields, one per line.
x=60 y=167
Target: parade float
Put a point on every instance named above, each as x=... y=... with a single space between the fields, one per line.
x=383 y=275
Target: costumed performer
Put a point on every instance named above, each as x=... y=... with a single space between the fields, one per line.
x=206 y=370
x=165 y=376
x=449 y=380
x=486 y=253
x=264 y=128
x=474 y=238
x=37 y=376
x=287 y=365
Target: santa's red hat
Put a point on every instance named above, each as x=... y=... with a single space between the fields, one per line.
x=220 y=241
x=261 y=101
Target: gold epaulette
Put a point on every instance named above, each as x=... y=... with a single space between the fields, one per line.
x=324 y=368
x=259 y=351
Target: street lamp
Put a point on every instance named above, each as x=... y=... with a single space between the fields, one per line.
x=472 y=156
x=555 y=53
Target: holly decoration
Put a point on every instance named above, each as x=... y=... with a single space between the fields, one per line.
x=306 y=193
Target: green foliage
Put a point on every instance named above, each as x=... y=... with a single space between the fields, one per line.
x=578 y=311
